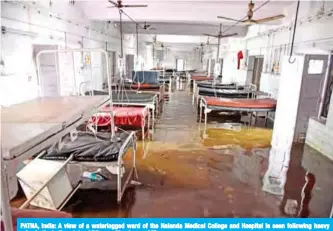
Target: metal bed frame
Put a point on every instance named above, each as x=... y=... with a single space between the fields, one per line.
x=208 y=109
x=144 y=118
x=56 y=130
x=251 y=88
x=154 y=106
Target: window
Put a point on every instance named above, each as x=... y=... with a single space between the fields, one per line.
x=315 y=66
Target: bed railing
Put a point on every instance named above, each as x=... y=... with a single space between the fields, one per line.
x=81 y=89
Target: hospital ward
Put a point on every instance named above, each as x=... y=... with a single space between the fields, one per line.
x=166 y=109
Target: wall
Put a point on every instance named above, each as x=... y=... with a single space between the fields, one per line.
x=320 y=134
x=272 y=42
x=60 y=24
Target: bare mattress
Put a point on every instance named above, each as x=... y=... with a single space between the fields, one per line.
x=28 y=124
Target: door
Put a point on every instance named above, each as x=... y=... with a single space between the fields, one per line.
x=328 y=91
x=257 y=69
x=221 y=66
x=211 y=67
x=314 y=72
x=48 y=76
x=129 y=66
x=250 y=68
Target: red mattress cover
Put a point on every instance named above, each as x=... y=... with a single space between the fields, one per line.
x=123 y=116
x=144 y=86
x=240 y=103
x=201 y=78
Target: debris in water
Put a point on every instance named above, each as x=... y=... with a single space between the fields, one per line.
x=263 y=152
x=206 y=212
x=136 y=183
x=230 y=126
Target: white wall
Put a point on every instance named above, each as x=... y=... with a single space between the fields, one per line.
x=311 y=37
x=61 y=24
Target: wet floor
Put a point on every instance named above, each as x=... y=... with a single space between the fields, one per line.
x=188 y=172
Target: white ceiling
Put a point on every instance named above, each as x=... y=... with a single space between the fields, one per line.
x=173 y=28
x=190 y=11
x=179 y=17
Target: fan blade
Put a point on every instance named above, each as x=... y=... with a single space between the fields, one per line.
x=110 y=7
x=210 y=35
x=270 y=18
x=152 y=28
x=113 y=3
x=135 y=5
x=228 y=35
x=231 y=19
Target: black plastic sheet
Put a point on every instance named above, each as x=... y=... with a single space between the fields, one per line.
x=88 y=147
x=127 y=96
x=225 y=93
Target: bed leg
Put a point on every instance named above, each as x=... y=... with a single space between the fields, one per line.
x=250 y=122
x=266 y=119
x=200 y=114
x=134 y=159
x=143 y=130
x=205 y=112
x=148 y=126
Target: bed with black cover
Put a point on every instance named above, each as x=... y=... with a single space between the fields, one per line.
x=225 y=93
x=207 y=84
x=88 y=147
x=123 y=97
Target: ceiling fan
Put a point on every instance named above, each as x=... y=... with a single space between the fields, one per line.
x=120 y=5
x=147 y=27
x=219 y=35
x=249 y=19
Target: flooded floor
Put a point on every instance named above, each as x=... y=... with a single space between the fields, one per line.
x=188 y=172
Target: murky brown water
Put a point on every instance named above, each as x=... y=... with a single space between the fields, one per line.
x=190 y=173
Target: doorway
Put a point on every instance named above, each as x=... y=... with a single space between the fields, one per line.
x=221 y=66
x=314 y=73
x=327 y=91
x=180 y=65
x=257 y=69
x=129 y=66
x=48 y=78
x=211 y=67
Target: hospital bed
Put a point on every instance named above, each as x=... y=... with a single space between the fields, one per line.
x=209 y=104
x=199 y=77
x=133 y=98
x=34 y=126
x=30 y=127
x=223 y=91
x=123 y=116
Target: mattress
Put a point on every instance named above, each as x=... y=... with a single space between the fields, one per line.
x=123 y=116
x=28 y=124
x=128 y=96
x=224 y=93
x=149 y=77
x=138 y=86
x=88 y=147
x=201 y=78
x=216 y=103
x=206 y=84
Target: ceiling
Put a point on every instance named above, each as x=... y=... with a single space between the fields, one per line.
x=173 y=28
x=190 y=11
x=181 y=17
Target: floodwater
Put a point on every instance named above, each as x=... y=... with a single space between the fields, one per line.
x=190 y=172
